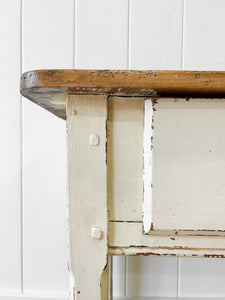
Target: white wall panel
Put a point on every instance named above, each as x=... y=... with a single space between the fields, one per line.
x=204 y=30
x=47 y=43
x=155 y=34
x=151 y=276
x=47 y=34
x=119 y=276
x=10 y=183
x=101 y=34
x=202 y=277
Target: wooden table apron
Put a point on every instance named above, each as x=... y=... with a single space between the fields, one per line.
x=132 y=135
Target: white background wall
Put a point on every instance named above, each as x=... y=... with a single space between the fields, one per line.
x=103 y=34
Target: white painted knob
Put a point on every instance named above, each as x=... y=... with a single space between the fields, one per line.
x=96 y=233
x=94 y=140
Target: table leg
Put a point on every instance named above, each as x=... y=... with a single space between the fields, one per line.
x=88 y=216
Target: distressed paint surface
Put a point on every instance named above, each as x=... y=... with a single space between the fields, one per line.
x=87 y=196
x=124 y=158
x=147 y=170
x=106 y=137
x=127 y=238
x=188 y=173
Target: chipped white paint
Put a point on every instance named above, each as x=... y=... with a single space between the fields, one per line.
x=186 y=133
x=87 y=196
x=145 y=251
x=94 y=140
x=147 y=171
x=130 y=235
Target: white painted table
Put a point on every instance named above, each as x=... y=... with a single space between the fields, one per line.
x=146 y=164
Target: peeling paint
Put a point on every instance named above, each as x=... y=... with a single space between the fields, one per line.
x=74 y=292
x=214 y=255
x=124 y=221
x=167 y=251
x=118 y=82
x=147 y=168
x=106 y=142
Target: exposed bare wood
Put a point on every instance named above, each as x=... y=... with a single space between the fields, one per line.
x=49 y=88
x=186 y=252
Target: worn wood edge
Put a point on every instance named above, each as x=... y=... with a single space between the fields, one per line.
x=128 y=82
x=147 y=166
x=185 y=232
x=49 y=88
x=130 y=234
x=51 y=99
x=184 y=252
x=163 y=298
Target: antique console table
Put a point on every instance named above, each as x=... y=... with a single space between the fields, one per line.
x=146 y=164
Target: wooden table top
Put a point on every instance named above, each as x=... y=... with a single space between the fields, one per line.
x=49 y=88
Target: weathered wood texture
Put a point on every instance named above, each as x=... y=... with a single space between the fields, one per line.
x=49 y=88
x=88 y=219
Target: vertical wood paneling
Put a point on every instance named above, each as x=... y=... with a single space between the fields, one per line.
x=202 y=277
x=151 y=276
x=204 y=45
x=155 y=34
x=119 y=276
x=10 y=184
x=47 y=43
x=101 y=34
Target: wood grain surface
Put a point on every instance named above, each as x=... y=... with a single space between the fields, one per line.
x=49 y=88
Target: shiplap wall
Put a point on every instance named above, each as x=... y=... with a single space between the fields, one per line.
x=117 y=34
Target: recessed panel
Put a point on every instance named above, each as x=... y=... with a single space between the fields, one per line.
x=185 y=161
